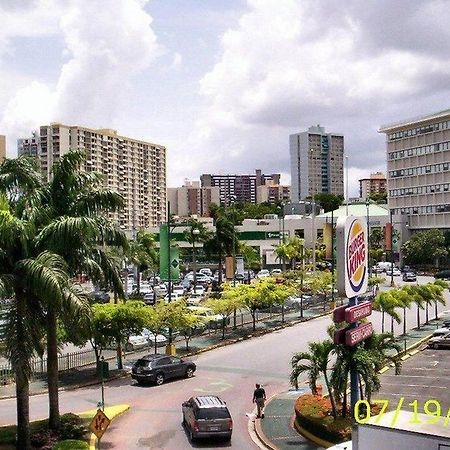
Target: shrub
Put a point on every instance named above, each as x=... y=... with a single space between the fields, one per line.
x=72 y=427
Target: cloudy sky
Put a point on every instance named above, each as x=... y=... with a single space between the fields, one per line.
x=222 y=83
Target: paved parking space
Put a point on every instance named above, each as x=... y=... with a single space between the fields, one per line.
x=424 y=376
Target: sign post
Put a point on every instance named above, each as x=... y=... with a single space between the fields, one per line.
x=352 y=280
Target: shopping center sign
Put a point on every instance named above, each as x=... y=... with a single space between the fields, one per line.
x=351 y=258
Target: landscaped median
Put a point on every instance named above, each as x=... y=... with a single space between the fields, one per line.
x=73 y=433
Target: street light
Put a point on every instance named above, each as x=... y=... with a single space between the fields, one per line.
x=346 y=185
x=368 y=235
x=195 y=232
x=313 y=220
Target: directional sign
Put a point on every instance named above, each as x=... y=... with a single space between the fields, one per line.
x=339 y=336
x=357 y=312
x=339 y=314
x=358 y=334
x=99 y=423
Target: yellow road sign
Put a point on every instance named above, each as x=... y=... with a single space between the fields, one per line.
x=99 y=423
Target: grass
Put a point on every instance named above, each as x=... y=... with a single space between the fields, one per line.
x=71 y=444
x=8 y=433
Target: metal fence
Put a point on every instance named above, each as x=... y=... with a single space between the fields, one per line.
x=67 y=361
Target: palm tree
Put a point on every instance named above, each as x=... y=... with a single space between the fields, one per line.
x=403 y=299
x=386 y=303
x=438 y=289
x=314 y=363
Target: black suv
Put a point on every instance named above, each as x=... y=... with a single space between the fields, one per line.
x=158 y=368
x=207 y=416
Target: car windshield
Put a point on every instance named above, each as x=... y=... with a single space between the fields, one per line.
x=213 y=413
x=142 y=363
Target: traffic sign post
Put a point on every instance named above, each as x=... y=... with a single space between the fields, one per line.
x=99 y=424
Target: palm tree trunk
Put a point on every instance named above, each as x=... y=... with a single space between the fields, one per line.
x=418 y=317
x=331 y=395
x=23 y=412
x=435 y=310
x=119 y=356
x=223 y=326
x=392 y=325
x=382 y=321
x=52 y=369
x=426 y=313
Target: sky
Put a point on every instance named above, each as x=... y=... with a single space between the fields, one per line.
x=222 y=83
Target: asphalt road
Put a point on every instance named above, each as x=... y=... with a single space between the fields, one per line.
x=154 y=421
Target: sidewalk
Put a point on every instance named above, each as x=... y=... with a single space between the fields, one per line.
x=277 y=431
x=84 y=376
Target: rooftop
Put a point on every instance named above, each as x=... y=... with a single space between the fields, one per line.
x=358 y=209
x=403 y=123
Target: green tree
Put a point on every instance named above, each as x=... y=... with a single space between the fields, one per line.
x=230 y=300
x=438 y=288
x=317 y=360
x=320 y=283
x=252 y=258
x=385 y=302
x=425 y=247
x=378 y=197
x=329 y=202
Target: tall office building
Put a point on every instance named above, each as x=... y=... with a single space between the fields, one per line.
x=238 y=188
x=191 y=199
x=2 y=147
x=317 y=162
x=376 y=184
x=418 y=163
x=134 y=168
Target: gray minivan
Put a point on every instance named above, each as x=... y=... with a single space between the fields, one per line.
x=207 y=416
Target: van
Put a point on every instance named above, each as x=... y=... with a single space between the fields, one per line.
x=384 y=265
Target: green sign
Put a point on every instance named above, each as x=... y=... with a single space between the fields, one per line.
x=169 y=261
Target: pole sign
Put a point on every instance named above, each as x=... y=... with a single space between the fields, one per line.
x=357 y=312
x=168 y=255
x=356 y=335
x=351 y=245
x=339 y=314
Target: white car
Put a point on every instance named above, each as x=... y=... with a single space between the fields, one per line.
x=174 y=296
x=135 y=342
x=263 y=273
x=151 y=337
x=178 y=289
x=441 y=332
x=194 y=299
x=276 y=272
x=207 y=316
x=206 y=271
x=199 y=289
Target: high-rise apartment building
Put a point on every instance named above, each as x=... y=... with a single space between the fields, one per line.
x=192 y=199
x=273 y=193
x=317 y=163
x=418 y=163
x=238 y=188
x=376 y=184
x=2 y=147
x=136 y=169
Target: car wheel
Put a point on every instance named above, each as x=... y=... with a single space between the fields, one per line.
x=129 y=347
x=159 y=380
x=183 y=422
x=191 y=435
x=189 y=372
x=436 y=346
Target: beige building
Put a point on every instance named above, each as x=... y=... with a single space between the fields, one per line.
x=136 y=169
x=317 y=163
x=273 y=193
x=2 y=148
x=376 y=184
x=418 y=163
x=192 y=199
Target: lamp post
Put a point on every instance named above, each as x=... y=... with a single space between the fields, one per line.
x=346 y=185
x=332 y=256
x=313 y=219
x=195 y=233
x=392 y=249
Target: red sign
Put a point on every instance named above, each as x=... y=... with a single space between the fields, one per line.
x=339 y=336
x=357 y=312
x=358 y=334
x=339 y=314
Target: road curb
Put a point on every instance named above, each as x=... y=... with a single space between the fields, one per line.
x=311 y=437
x=264 y=440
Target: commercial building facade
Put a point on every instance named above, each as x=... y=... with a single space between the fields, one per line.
x=317 y=162
x=418 y=163
x=192 y=199
x=376 y=184
x=238 y=188
x=135 y=169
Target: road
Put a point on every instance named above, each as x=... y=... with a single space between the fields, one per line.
x=154 y=421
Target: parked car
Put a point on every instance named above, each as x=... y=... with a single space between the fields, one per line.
x=441 y=331
x=409 y=276
x=206 y=271
x=179 y=289
x=160 y=290
x=135 y=342
x=199 y=289
x=207 y=416
x=158 y=368
x=376 y=270
x=440 y=341
x=149 y=298
x=151 y=337
x=173 y=297
x=263 y=273
x=395 y=270
x=208 y=317
x=446 y=323
x=443 y=274
x=99 y=296
x=276 y=272
x=194 y=299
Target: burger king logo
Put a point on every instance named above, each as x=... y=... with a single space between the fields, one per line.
x=356 y=253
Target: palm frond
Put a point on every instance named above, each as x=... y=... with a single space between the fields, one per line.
x=97 y=201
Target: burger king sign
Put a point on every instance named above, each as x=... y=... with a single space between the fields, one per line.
x=352 y=250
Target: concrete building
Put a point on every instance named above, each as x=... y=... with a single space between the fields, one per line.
x=317 y=163
x=418 y=163
x=2 y=147
x=136 y=169
x=376 y=184
x=191 y=199
x=238 y=188
x=273 y=193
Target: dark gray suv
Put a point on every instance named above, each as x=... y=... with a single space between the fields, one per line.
x=207 y=416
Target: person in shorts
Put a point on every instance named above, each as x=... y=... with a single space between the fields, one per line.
x=259 y=397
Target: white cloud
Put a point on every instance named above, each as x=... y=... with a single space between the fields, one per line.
x=291 y=64
x=177 y=60
x=106 y=46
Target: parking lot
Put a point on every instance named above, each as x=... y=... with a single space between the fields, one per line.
x=424 y=376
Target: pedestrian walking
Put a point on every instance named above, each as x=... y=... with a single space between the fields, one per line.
x=259 y=397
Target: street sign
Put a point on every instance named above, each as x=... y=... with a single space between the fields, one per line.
x=358 y=334
x=357 y=312
x=99 y=423
x=339 y=314
x=339 y=336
